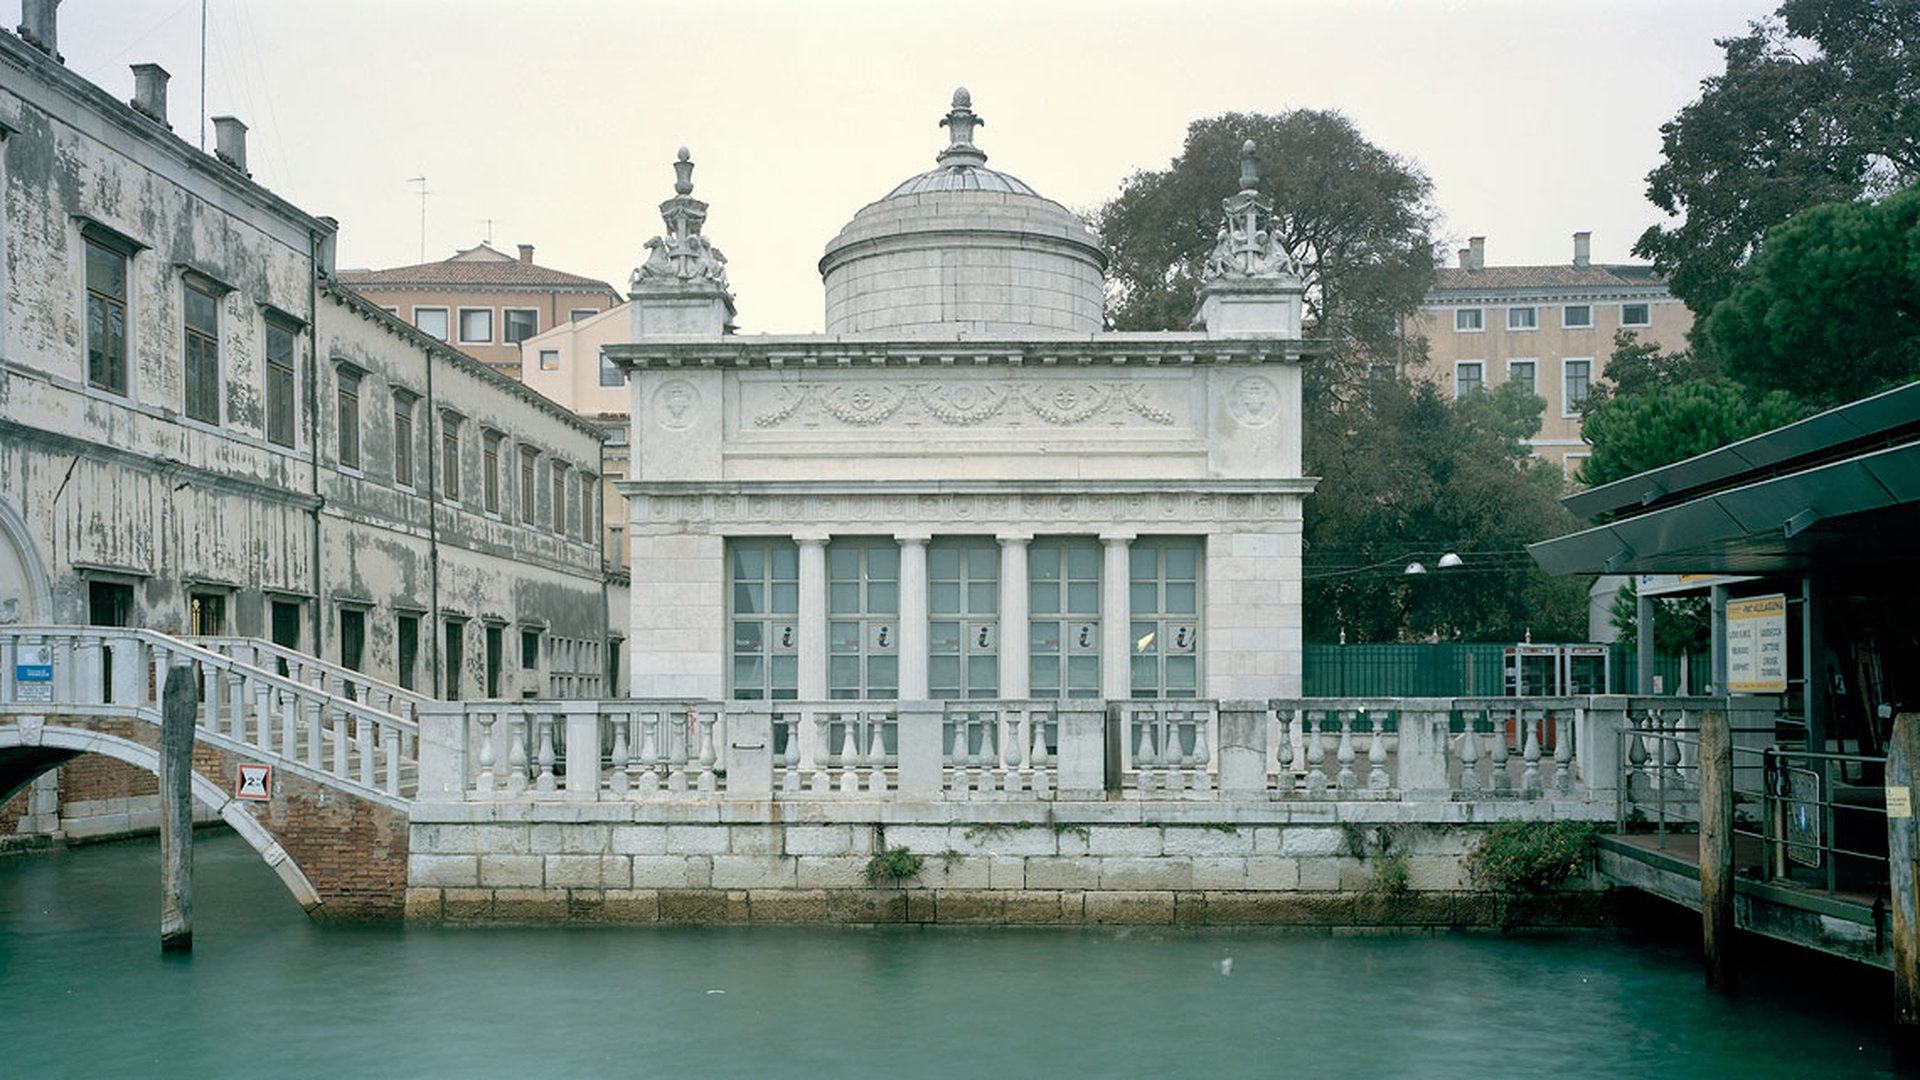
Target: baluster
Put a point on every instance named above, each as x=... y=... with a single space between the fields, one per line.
x=365 y=736
x=617 y=780
x=850 y=756
x=1312 y=726
x=289 y=708
x=648 y=781
x=1346 y=780
x=1497 y=757
x=1037 y=757
x=1172 y=752
x=210 y=697
x=517 y=753
x=877 y=754
x=1470 y=781
x=544 y=721
x=1563 y=753
x=316 y=726
x=1147 y=755
x=1636 y=756
x=674 y=732
x=790 y=777
x=1202 y=754
x=702 y=728
x=1282 y=762
x=392 y=739
x=958 y=753
x=484 y=782
x=1377 y=779
x=822 y=780
x=1670 y=753
x=337 y=727
x=1530 y=753
x=262 y=712
x=1011 y=742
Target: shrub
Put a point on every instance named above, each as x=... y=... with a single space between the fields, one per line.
x=1532 y=856
x=894 y=866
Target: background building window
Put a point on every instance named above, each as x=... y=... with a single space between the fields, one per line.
x=863 y=618
x=476 y=326
x=407 y=635
x=281 y=392
x=106 y=318
x=765 y=607
x=1576 y=376
x=202 y=321
x=963 y=632
x=1635 y=315
x=1468 y=376
x=1521 y=373
x=431 y=321
x=560 y=498
x=402 y=439
x=610 y=373
x=519 y=324
x=1576 y=316
x=491 y=471
x=1164 y=590
x=1570 y=467
x=581 y=314
x=1467 y=319
x=1063 y=599
x=549 y=359
x=1523 y=318
x=450 y=456
x=349 y=417
x=588 y=484
x=528 y=488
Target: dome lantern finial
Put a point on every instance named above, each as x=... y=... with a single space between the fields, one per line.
x=683 y=173
x=1249 y=170
x=960 y=122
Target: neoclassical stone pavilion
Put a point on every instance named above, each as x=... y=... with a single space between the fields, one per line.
x=965 y=488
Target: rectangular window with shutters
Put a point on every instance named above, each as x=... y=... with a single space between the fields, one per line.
x=519 y=324
x=559 y=498
x=348 y=416
x=1523 y=318
x=1576 y=377
x=1468 y=320
x=403 y=438
x=476 y=326
x=1521 y=373
x=282 y=387
x=407 y=633
x=202 y=324
x=490 y=471
x=106 y=317
x=963 y=608
x=588 y=486
x=1636 y=315
x=1164 y=592
x=529 y=490
x=1468 y=377
x=1063 y=602
x=431 y=321
x=1576 y=317
x=863 y=618
x=763 y=617
x=450 y=457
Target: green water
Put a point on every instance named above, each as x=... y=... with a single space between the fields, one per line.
x=85 y=993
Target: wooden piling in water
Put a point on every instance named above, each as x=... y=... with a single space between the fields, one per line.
x=179 y=704
x=1716 y=848
x=1902 y=754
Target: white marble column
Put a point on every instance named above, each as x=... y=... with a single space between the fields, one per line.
x=1116 y=618
x=813 y=615
x=1013 y=615
x=913 y=615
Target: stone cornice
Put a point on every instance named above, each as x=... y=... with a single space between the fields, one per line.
x=832 y=352
x=1571 y=294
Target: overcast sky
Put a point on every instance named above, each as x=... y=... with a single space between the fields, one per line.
x=559 y=119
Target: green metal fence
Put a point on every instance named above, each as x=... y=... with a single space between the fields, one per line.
x=1454 y=670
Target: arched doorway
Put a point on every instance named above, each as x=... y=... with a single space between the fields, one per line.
x=26 y=596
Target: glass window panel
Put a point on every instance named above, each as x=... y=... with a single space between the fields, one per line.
x=1146 y=675
x=786 y=561
x=983 y=562
x=1043 y=563
x=1044 y=636
x=1083 y=597
x=786 y=674
x=1180 y=597
x=983 y=673
x=748 y=562
x=1083 y=561
x=1143 y=561
x=943 y=673
x=983 y=598
x=1183 y=675
x=748 y=671
x=844 y=598
x=748 y=599
x=1145 y=638
x=843 y=672
x=943 y=637
x=1043 y=675
x=883 y=676
x=943 y=598
x=943 y=562
x=1183 y=561
x=202 y=313
x=1083 y=673
x=843 y=636
x=1043 y=598
x=843 y=562
x=749 y=635
x=883 y=561
x=1145 y=597
x=883 y=598
x=106 y=271
x=786 y=598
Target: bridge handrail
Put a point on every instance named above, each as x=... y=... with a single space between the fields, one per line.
x=325 y=673
x=273 y=715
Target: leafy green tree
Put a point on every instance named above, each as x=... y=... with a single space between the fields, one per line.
x=1662 y=424
x=1682 y=625
x=1406 y=471
x=1829 y=310
x=1357 y=217
x=1819 y=104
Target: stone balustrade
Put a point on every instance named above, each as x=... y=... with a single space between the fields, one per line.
x=246 y=707
x=324 y=676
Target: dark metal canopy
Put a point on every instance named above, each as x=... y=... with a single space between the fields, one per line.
x=1837 y=491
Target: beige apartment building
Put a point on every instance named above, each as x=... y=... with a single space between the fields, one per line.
x=1551 y=327
x=484 y=302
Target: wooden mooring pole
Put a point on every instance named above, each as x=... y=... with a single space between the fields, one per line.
x=1902 y=754
x=1716 y=848
x=179 y=704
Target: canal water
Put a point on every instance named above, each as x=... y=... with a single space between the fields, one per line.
x=85 y=993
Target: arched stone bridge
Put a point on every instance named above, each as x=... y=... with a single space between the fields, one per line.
x=335 y=824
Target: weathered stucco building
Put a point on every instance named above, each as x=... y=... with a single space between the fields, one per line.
x=201 y=431
x=964 y=488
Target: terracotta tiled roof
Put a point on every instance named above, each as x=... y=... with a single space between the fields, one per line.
x=470 y=268
x=1562 y=276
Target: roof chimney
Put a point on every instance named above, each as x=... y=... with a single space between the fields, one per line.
x=1466 y=259
x=324 y=251
x=150 y=92
x=230 y=142
x=526 y=254
x=39 y=26
x=1476 y=253
x=1583 y=249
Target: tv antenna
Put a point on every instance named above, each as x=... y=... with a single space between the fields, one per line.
x=490 y=223
x=422 y=181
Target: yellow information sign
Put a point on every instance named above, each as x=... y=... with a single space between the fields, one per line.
x=1757 y=645
x=1899 y=801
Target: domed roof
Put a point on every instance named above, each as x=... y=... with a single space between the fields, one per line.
x=963 y=246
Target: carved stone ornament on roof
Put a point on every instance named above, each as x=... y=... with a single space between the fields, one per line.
x=681 y=255
x=1243 y=249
